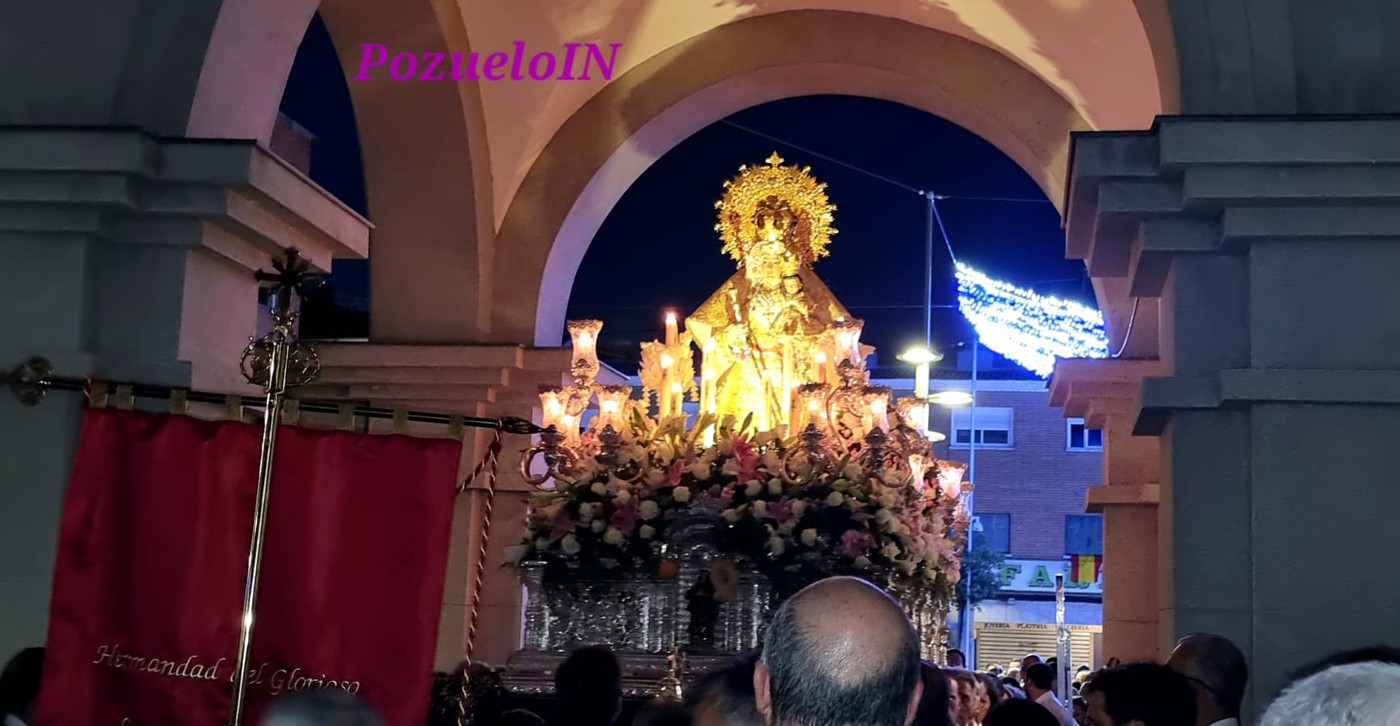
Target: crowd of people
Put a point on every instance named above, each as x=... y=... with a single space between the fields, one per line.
x=843 y=653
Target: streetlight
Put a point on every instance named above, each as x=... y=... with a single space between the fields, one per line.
x=922 y=358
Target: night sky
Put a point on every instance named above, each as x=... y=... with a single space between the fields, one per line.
x=658 y=249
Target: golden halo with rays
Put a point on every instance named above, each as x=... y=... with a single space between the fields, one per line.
x=794 y=188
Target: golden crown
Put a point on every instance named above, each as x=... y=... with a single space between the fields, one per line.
x=775 y=199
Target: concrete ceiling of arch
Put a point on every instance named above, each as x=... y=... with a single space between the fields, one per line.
x=1094 y=53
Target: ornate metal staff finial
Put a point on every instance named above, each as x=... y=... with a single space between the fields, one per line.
x=291 y=277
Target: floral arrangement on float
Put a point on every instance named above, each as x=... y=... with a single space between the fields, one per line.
x=806 y=468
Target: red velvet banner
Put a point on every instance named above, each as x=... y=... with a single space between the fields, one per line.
x=153 y=551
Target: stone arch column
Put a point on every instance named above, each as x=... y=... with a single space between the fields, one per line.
x=602 y=149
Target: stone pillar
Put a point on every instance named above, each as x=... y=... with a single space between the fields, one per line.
x=1271 y=245
x=481 y=380
x=127 y=257
x=1103 y=393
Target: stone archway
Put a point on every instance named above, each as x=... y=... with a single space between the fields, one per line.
x=597 y=154
x=423 y=146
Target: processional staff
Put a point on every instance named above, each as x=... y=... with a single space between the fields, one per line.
x=276 y=362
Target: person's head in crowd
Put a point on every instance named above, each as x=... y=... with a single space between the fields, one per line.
x=1217 y=672
x=663 y=713
x=19 y=684
x=993 y=688
x=1369 y=654
x=1040 y=680
x=1009 y=683
x=1355 y=694
x=589 y=686
x=839 y=652
x=956 y=659
x=1030 y=660
x=321 y=707
x=725 y=697
x=1020 y=713
x=1054 y=663
x=934 y=708
x=1079 y=709
x=1140 y=694
x=520 y=717
x=968 y=702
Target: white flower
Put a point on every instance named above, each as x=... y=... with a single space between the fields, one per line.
x=930 y=574
x=613 y=536
x=598 y=488
x=655 y=476
x=891 y=477
x=776 y=545
x=730 y=468
x=598 y=525
x=883 y=517
x=788 y=526
x=753 y=488
x=889 y=499
x=731 y=515
x=890 y=551
x=646 y=531
x=666 y=453
x=542 y=544
x=700 y=470
x=854 y=504
x=809 y=537
x=515 y=553
x=624 y=497
x=681 y=494
x=771 y=461
x=585 y=512
x=552 y=511
x=775 y=487
x=650 y=509
x=760 y=507
x=570 y=544
x=853 y=472
x=835 y=499
x=798 y=507
x=633 y=453
x=904 y=566
x=861 y=561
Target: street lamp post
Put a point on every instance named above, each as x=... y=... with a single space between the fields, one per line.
x=965 y=640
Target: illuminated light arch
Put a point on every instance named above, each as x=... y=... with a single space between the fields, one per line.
x=1029 y=329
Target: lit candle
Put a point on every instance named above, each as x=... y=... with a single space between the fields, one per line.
x=785 y=390
x=821 y=362
x=611 y=401
x=551 y=407
x=950 y=477
x=663 y=395
x=585 y=356
x=917 y=466
x=671 y=332
x=677 y=405
x=878 y=399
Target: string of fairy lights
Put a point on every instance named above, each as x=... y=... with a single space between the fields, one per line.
x=1029 y=329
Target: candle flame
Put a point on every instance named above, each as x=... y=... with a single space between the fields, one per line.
x=670 y=317
x=821 y=357
x=667 y=361
x=676 y=387
x=609 y=406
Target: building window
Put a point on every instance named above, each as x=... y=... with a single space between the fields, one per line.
x=993 y=427
x=1082 y=438
x=993 y=531
x=1084 y=534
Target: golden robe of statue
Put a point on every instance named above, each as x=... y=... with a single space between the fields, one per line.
x=768 y=328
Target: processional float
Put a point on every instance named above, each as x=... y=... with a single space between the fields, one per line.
x=676 y=521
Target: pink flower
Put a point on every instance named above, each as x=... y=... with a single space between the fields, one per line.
x=745 y=457
x=625 y=517
x=563 y=524
x=856 y=542
x=673 y=475
x=781 y=511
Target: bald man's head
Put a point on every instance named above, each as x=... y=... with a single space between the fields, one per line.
x=1216 y=669
x=839 y=653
